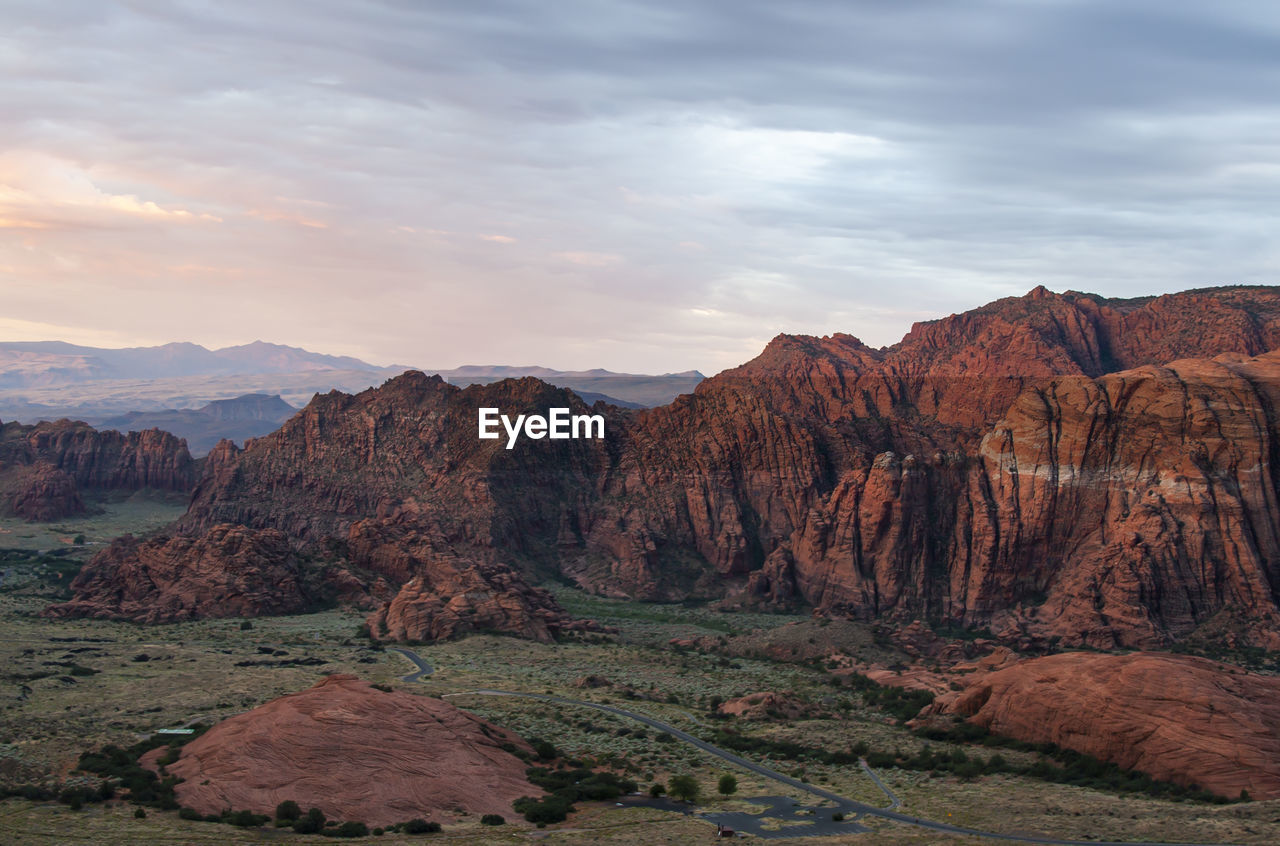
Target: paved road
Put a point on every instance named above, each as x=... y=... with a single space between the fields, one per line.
x=424 y=669
x=848 y=806
x=894 y=802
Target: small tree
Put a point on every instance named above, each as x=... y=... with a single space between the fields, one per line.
x=728 y=785
x=685 y=788
x=288 y=810
x=657 y=789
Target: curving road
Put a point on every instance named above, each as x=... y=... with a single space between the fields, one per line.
x=424 y=669
x=846 y=805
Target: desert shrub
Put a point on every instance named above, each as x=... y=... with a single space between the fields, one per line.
x=352 y=829
x=544 y=749
x=549 y=809
x=657 y=790
x=420 y=826
x=190 y=814
x=728 y=785
x=684 y=787
x=311 y=823
x=244 y=819
x=492 y=819
x=288 y=810
x=139 y=814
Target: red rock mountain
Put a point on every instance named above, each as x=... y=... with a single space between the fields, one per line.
x=1177 y=718
x=355 y=752
x=1050 y=466
x=43 y=468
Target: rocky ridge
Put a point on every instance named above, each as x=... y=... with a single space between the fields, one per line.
x=1054 y=467
x=45 y=468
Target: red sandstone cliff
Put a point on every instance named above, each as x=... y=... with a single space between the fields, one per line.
x=1048 y=466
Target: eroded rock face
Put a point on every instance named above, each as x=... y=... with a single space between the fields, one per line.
x=1048 y=466
x=1177 y=718
x=231 y=571
x=45 y=467
x=108 y=460
x=355 y=752
x=42 y=493
x=450 y=596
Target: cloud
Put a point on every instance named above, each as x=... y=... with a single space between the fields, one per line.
x=671 y=182
x=38 y=191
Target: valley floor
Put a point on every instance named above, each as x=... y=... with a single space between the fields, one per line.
x=72 y=686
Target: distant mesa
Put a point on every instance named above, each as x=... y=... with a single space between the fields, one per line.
x=356 y=752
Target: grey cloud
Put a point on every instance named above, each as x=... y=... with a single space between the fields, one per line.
x=674 y=181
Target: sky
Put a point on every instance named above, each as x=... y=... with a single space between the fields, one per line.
x=641 y=186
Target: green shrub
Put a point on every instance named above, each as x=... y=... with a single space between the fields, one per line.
x=139 y=814
x=420 y=826
x=352 y=829
x=310 y=824
x=492 y=819
x=685 y=788
x=288 y=810
x=728 y=785
x=245 y=819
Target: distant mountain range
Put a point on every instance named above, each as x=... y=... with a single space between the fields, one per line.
x=177 y=387
x=55 y=363
x=248 y=416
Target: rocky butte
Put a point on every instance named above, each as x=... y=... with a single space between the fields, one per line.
x=1059 y=468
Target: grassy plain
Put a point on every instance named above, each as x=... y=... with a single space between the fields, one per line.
x=70 y=686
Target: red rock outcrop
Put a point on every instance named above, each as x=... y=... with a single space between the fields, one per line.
x=1177 y=718
x=448 y=596
x=356 y=753
x=764 y=705
x=45 y=467
x=108 y=459
x=231 y=571
x=40 y=493
x=1047 y=466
